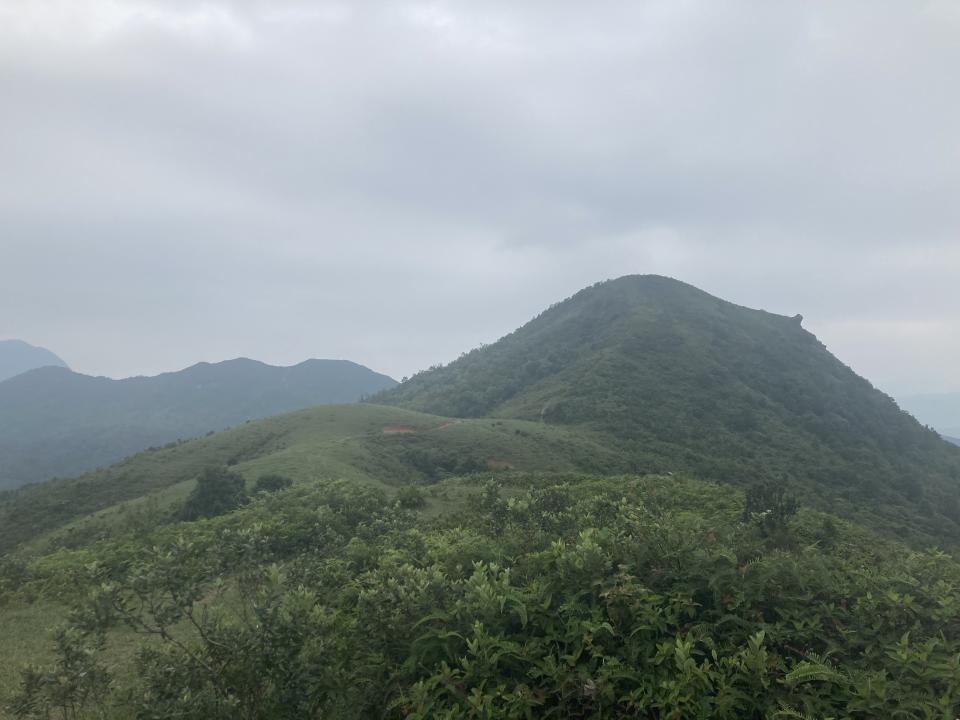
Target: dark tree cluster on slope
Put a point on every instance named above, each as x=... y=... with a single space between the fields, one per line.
x=271 y=482
x=218 y=491
x=769 y=506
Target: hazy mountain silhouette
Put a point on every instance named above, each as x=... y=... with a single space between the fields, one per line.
x=54 y=422
x=18 y=357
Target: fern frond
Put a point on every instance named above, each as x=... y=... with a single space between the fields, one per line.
x=811 y=672
x=787 y=712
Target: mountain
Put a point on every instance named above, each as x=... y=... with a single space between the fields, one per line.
x=940 y=411
x=54 y=422
x=684 y=380
x=371 y=560
x=18 y=357
x=661 y=377
x=955 y=441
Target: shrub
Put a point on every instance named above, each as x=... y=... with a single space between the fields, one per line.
x=271 y=483
x=411 y=497
x=217 y=491
x=769 y=506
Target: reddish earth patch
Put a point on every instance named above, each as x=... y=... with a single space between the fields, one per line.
x=398 y=429
x=447 y=424
x=499 y=464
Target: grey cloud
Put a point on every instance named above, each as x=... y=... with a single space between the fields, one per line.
x=397 y=182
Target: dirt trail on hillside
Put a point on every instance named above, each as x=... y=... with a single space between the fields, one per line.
x=398 y=429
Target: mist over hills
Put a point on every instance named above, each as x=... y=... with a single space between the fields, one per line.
x=17 y=356
x=54 y=422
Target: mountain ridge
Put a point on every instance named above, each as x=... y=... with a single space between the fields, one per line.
x=735 y=394
x=18 y=356
x=54 y=421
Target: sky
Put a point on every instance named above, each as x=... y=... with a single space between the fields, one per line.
x=397 y=182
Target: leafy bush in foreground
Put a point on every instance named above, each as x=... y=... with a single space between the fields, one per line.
x=551 y=597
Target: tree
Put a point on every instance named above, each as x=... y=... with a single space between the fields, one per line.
x=218 y=491
x=411 y=497
x=769 y=506
x=271 y=482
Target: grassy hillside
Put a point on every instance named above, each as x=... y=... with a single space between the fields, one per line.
x=54 y=422
x=366 y=443
x=683 y=379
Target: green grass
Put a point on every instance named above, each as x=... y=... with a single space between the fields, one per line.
x=26 y=635
x=34 y=511
x=342 y=441
x=23 y=633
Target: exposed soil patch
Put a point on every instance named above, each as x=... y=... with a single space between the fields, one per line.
x=499 y=464
x=393 y=429
x=447 y=424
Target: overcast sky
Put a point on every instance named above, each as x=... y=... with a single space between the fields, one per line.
x=396 y=182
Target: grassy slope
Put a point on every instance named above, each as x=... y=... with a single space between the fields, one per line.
x=345 y=441
x=27 y=629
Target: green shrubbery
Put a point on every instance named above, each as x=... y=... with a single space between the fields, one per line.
x=551 y=597
x=411 y=497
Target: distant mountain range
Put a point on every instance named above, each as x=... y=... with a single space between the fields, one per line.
x=18 y=357
x=940 y=411
x=55 y=422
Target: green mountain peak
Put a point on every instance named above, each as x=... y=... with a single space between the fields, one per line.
x=684 y=380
